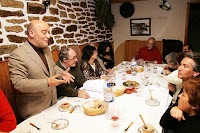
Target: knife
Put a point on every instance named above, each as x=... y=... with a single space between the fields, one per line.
x=72 y=110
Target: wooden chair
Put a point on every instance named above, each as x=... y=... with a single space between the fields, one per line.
x=7 y=87
x=55 y=54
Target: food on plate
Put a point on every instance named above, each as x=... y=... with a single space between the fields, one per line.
x=95 y=107
x=129 y=91
x=59 y=124
x=65 y=106
x=56 y=125
x=134 y=90
x=128 y=71
x=130 y=83
x=139 y=68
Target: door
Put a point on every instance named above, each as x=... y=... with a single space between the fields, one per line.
x=192 y=31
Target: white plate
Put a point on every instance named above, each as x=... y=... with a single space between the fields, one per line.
x=140 y=130
x=64 y=110
x=152 y=103
x=59 y=124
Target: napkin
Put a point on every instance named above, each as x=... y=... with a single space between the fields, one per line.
x=94 y=85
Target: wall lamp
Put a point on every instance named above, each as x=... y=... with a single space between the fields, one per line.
x=165 y=5
x=46 y=3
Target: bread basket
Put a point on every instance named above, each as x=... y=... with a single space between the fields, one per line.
x=118 y=90
x=95 y=107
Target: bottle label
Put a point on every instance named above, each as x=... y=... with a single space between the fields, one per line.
x=108 y=97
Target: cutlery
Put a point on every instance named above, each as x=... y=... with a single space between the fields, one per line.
x=125 y=130
x=72 y=110
x=147 y=83
x=151 y=95
x=145 y=126
x=35 y=126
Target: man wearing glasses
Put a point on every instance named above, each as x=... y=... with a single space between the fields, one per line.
x=68 y=59
x=150 y=52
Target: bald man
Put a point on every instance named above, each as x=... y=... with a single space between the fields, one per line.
x=34 y=73
x=150 y=52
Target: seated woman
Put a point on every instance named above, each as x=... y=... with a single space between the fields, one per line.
x=186 y=117
x=105 y=53
x=7 y=116
x=171 y=62
x=90 y=66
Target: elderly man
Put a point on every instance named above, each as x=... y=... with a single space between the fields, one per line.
x=68 y=59
x=190 y=67
x=187 y=48
x=150 y=52
x=34 y=73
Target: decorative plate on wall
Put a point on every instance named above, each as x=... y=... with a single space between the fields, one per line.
x=127 y=9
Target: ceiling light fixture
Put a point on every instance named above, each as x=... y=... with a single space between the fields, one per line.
x=165 y=5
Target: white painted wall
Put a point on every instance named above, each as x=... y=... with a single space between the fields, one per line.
x=164 y=24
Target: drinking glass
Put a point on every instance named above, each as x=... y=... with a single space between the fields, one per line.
x=155 y=68
x=77 y=104
x=124 y=75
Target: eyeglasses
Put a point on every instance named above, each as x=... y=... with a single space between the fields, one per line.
x=74 y=58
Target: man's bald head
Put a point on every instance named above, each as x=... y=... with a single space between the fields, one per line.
x=38 y=33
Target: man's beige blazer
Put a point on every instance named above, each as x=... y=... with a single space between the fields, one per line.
x=29 y=76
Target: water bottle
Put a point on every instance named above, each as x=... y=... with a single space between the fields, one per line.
x=133 y=66
x=109 y=98
x=133 y=59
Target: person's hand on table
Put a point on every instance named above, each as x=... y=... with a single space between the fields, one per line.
x=67 y=77
x=53 y=81
x=177 y=113
x=104 y=77
x=83 y=94
x=171 y=87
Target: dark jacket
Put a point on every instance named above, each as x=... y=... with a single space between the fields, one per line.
x=69 y=89
x=190 y=125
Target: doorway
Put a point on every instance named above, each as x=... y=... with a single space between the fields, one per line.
x=192 y=30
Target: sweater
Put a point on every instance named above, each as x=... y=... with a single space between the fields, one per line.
x=7 y=116
x=149 y=55
x=189 y=125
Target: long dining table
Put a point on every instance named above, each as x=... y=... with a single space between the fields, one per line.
x=129 y=107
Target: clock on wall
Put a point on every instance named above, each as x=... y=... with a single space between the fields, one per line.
x=127 y=9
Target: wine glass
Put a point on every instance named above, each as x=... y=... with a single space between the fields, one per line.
x=124 y=75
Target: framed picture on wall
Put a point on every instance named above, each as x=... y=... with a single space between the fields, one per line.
x=140 y=27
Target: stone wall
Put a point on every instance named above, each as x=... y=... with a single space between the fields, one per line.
x=72 y=22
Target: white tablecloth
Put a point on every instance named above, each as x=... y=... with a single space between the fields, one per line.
x=129 y=107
